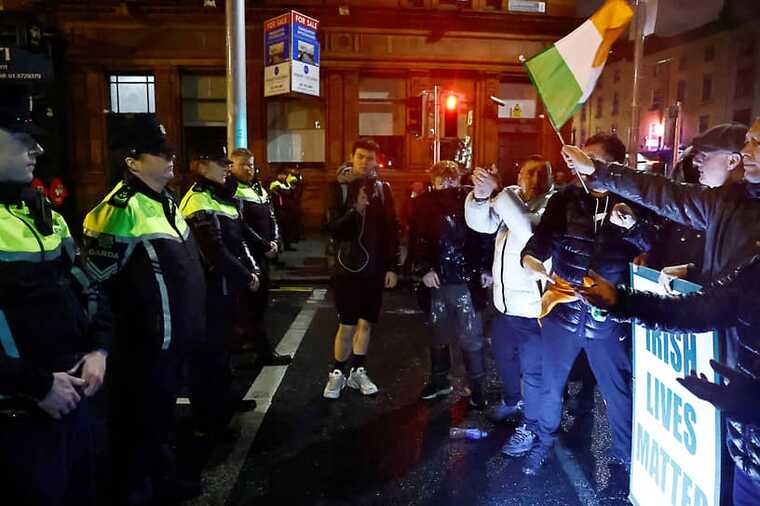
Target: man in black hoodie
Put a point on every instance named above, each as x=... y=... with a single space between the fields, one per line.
x=365 y=229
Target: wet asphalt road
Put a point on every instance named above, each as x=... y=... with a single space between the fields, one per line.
x=389 y=449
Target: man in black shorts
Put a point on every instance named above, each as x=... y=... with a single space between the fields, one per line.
x=365 y=230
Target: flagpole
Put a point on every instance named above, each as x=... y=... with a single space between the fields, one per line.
x=640 y=7
x=562 y=141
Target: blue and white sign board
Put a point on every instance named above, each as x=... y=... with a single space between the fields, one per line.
x=676 y=450
x=291 y=39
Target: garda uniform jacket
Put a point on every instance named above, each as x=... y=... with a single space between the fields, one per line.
x=137 y=243
x=50 y=312
x=575 y=232
x=258 y=211
x=729 y=301
x=222 y=235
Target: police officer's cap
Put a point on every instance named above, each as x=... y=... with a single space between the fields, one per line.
x=725 y=137
x=210 y=150
x=15 y=112
x=137 y=134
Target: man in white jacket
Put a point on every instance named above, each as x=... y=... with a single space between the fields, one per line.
x=516 y=336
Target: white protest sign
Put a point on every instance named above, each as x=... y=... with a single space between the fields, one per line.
x=676 y=450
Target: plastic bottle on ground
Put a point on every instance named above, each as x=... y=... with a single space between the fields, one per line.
x=462 y=433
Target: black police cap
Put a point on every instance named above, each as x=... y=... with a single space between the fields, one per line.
x=724 y=137
x=210 y=150
x=138 y=134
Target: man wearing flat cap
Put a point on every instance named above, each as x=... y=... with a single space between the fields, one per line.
x=137 y=243
x=54 y=335
x=726 y=208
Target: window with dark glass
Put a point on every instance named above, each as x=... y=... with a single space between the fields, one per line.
x=599 y=106
x=709 y=53
x=465 y=4
x=681 y=91
x=658 y=99
x=745 y=80
x=704 y=123
x=706 y=88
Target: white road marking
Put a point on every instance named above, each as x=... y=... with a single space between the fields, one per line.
x=263 y=391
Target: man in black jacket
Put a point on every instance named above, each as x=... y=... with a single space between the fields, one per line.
x=54 y=334
x=581 y=231
x=365 y=229
x=730 y=301
x=728 y=214
x=449 y=258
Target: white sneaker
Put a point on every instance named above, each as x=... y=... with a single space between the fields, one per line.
x=359 y=380
x=336 y=381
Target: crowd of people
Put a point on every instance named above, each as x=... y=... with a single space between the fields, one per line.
x=558 y=272
x=158 y=287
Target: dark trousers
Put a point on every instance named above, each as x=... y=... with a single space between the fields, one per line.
x=454 y=320
x=516 y=345
x=210 y=375
x=610 y=361
x=142 y=392
x=251 y=310
x=47 y=462
x=746 y=491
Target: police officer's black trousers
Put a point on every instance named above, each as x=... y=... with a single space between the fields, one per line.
x=47 y=462
x=142 y=392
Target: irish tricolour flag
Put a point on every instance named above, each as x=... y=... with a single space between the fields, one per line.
x=565 y=74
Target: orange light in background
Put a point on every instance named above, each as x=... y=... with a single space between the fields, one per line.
x=451 y=102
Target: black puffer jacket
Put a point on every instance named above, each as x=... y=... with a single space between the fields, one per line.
x=728 y=215
x=729 y=301
x=569 y=235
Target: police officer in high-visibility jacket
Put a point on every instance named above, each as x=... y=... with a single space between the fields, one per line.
x=138 y=244
x=53 y=337
x=258 y=213
x=214 y=216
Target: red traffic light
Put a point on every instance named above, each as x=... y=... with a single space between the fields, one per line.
x=452 y=101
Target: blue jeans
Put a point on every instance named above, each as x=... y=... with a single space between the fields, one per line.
x=610 y=361
x=746 y=491
x=516 y=344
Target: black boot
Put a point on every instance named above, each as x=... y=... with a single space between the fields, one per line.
x=440 y=363
x=474 y=364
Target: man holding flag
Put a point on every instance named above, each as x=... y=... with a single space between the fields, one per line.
x=580 y=231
